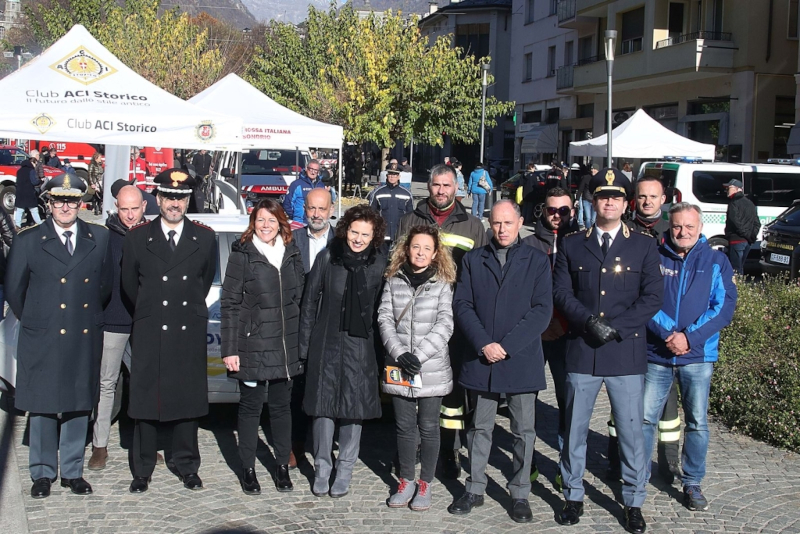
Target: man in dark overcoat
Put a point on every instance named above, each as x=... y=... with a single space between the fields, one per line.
x=168 y=266
x=58 y=278
x=607 y=284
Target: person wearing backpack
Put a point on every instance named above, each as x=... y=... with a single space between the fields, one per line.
x=480 y=184
x=741 y=225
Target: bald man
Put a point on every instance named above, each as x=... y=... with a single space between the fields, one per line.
x=130 y=212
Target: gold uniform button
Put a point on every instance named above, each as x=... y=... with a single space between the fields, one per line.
x=63 y=280
x=63 y=306
x=85 y=330
x=602 y=314
x=63 y=331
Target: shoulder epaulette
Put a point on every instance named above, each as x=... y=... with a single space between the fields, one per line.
x=576 y=232
x=23 y=229
x=139 y=224
x=201 y=225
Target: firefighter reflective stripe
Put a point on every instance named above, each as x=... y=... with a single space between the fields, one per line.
x=452 y=412
x=457 y=241
x=453 y=424
x=669 y=430
x=612 y=430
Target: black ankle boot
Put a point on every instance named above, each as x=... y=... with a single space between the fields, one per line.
x=282 y=480
x=250 y=483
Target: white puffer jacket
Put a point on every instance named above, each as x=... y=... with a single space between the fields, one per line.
x=424 y=331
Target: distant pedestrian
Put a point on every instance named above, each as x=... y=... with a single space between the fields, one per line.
x=27 y=199
x=480 y=185
x=587 y=214
x=296 y=195
x=54 y=160
x=392 y=201
x=741 y=225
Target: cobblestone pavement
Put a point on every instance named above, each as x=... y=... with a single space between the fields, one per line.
x=751 y=487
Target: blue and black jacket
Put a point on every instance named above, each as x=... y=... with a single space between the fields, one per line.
x=295 y=199
x=699 y=300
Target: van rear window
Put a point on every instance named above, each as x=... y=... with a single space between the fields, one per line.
x=707 y=185
x=773 y=189
x=261 y=161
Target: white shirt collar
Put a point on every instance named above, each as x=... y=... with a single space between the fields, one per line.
x=60 y=231
x=178 y=230
x=613 y=233
x=323 y=236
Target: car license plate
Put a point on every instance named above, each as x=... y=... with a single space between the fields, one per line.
x=779 y=258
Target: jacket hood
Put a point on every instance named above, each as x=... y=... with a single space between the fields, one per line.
x=303 y=176
x=27 y=163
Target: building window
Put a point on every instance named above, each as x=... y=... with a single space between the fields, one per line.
x=527 y=67
x=666 y=114
x=791 y=32
x=584 y=111
x=529 y=7
x=569 y=50
x=632 y=31
x=2 y=32
x=675 y=23
x=473 y=39
x=552 y=115
x=553 y=7
x=532 y=116
x=585 y=50
x=551 y=61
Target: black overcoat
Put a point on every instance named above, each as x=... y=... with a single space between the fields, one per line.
x=166 y=294
x=59 y=300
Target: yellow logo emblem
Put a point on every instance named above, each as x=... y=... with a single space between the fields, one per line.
x=67 y=184
x=83 y=66
x=177 y=177
x=610 y=177
x=43 y=122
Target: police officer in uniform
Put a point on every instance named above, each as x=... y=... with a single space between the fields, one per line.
x=58 y=278
x=607 y=284
x=167 y=269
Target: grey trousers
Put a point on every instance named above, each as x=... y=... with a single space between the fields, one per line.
x=114 y=346
x=323 y=429
x=46 y=446
x=627 y=407
x=521 y=407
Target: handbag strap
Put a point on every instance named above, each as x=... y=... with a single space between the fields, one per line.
x=410 y=302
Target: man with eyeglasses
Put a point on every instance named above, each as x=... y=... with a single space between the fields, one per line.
x=58 y=278
x=295 y=199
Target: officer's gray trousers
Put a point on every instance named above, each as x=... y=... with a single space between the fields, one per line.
x=521 y=408
x=47 y=447
x=627 y=407
x=114 y=346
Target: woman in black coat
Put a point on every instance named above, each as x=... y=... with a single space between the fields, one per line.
x=260 y=320
x=337 y=339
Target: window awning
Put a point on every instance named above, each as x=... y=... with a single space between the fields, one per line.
x=540 y=140
x=793 y=144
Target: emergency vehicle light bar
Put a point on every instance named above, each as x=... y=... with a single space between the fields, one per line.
x=684 y=159
x=784 y=161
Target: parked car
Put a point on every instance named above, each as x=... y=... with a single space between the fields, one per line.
x=780 y=243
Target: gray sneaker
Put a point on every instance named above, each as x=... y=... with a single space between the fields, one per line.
x=694 y=499
x=403 y=495
x=422 y=500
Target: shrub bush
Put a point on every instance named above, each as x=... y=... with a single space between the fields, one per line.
x=756 y=384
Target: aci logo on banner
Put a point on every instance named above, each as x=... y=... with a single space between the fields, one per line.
x=43 y=122
x=205 y=131
x=83 y=66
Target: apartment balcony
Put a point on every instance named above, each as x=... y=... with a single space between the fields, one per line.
x=679 y=59
x=567 y=16
x=592 y=8
x=564 y=78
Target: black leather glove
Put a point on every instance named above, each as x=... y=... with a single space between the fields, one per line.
x=409 y=363
x=601 y=330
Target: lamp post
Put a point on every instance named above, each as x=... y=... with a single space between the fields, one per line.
x=610 y=38
x=484 y=85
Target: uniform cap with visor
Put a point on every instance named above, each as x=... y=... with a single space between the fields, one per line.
x=65 y=185
x=174 y=183
x=609 y=183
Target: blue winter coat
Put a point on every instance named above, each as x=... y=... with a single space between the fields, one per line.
x=699 y=300
x=295 y=199
x=512 y=307
x=473 y=186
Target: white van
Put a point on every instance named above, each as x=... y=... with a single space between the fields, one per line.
x=771 y=186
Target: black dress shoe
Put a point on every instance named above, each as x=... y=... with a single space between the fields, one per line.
x=139 y=484
x=41 y=488
x=521 y=511
x=465 y=503
x=78 y=486
x=250 y=483
x=634 y=522
x=192 y=481
x=571 y=513
x=282 y=480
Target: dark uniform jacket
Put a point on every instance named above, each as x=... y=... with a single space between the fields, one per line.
x=166 y=292
x=511 y=306
x=392 y=202
x=27 y=180
x=625 y=288
x=59 y=300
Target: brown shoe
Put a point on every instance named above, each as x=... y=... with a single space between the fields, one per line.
x=292 y=461
x=98 y=459
x=159 y=459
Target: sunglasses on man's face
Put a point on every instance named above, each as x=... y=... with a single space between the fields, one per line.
x=563 y=210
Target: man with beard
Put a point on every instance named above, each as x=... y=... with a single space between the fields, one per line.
x=168 y=266
x=460 y=232
x=130 y=212
x=556 y=221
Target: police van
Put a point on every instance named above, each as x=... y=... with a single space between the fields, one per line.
x=771 y=186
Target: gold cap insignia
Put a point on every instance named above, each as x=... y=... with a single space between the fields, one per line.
x=178 y=178
x=610 y=177
x=66 y=184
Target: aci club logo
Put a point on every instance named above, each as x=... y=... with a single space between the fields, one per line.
x=83 y=66
x=43 y=122
x=205 y=131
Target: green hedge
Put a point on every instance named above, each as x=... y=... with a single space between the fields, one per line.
x=756 y=384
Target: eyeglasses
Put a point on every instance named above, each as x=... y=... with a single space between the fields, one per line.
x=312 y=169
x=563 y=210
x=72 y=204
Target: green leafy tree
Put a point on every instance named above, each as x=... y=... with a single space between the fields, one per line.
x=377 y=77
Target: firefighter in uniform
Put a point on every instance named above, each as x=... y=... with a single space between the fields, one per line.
x=460 y=232
x=607 y=284
x=168 y=266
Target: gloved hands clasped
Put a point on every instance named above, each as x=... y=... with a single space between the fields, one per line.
x=601 y=330
x=409 y=363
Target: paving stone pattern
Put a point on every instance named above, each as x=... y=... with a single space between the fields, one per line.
x=751 y=487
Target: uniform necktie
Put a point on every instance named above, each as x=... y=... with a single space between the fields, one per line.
x=606 y=242
x=171 y=240
x=68 y=242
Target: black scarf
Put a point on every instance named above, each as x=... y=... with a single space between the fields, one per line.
x=357 y=302
x=417 y=279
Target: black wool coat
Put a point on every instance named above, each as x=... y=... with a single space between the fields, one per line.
x=166 y=293
x=59 y=301
x=261 y=312
x=26 y=189
x=342 y=375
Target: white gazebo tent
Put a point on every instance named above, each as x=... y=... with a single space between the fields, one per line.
x=77 y=90
x=266 y=123
x=641 y=136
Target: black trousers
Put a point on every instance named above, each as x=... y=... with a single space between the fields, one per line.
x=300 y=421
x=279 y=396
x=185 y=452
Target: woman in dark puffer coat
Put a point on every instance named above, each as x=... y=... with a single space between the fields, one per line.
x=260 y=321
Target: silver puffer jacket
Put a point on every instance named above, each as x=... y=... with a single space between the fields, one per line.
x=424 y=331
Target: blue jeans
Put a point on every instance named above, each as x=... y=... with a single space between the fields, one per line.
x=694 y=381
x=738 y=255
x=587 y=213
x=19 y=212
x=478 y=204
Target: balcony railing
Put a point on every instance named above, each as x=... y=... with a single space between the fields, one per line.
x=564 y=78
x=694 y=36
x=591 y=59
x=566 y=10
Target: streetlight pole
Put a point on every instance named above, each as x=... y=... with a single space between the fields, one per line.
x=610 y=38
x=484 y=85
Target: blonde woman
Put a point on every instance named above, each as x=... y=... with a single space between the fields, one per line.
x=416 y=322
